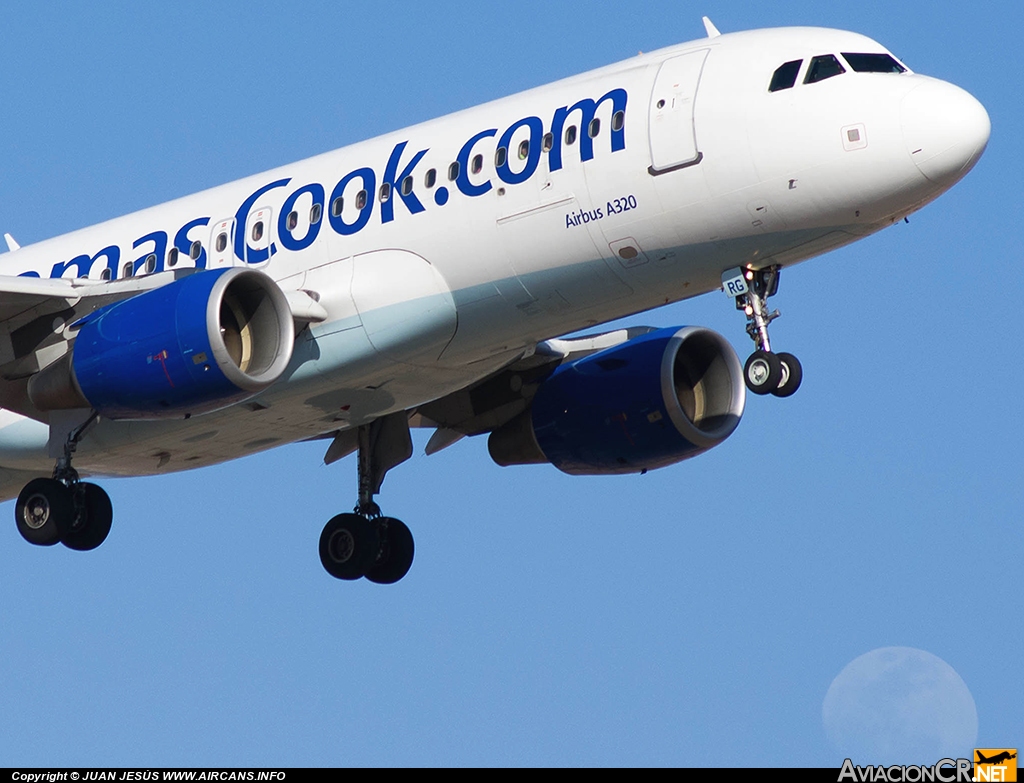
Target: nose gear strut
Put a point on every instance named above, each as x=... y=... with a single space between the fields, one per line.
x=765 y=372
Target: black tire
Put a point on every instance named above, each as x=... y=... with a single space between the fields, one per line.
x=762 y=372
x=94 y=522
x=792 y=375
x=396 y=553
x=349 y=546
x=44 y=507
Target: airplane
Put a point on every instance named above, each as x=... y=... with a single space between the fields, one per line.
x=999 y=758
x=429 y=277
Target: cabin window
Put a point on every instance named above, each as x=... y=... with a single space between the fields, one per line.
x=453 y=171
x=172 y=257
x=221 y=243
x=430 y=178
x=105 y=274
x=524 y=149
x=478 y=164
x=196 y=250
x=594 y=128
x=361 y=197
x=822 y=67
x=293 y=220
x=500 y=156
x=873 y=63
x=257 y=231
x=315 y=213
x=150 y=263
x=127 y=270
x=785 y=76
x=407 y=185
x=337 y=206
x=385 y=192
x=548 y=142
x=618 y=120
x=570 y=135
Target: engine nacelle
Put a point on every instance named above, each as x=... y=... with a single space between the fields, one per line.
x=192 y=346
x=650 y=402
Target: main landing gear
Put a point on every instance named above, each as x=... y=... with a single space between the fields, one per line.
x=366 y=543
x=765 y=372
x=63 y=508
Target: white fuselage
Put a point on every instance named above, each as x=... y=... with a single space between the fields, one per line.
x=695 y=168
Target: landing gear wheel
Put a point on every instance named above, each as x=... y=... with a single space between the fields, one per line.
x=94 y=519
x=792 y=375
x=396 y=552
x=349 y=545
x=44 y=507
x=762 y=372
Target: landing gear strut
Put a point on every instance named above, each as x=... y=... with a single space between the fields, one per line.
x=63 y=508
x=765 y=372
x=366 y=543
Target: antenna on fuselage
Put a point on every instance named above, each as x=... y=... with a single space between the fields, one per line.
x=11 y=244
x=710 y=27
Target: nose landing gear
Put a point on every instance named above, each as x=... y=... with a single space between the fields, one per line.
x=765 y=372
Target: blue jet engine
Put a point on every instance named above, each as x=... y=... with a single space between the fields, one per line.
x=649 y=402
x=195 y=345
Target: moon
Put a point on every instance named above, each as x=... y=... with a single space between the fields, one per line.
x=899 y=705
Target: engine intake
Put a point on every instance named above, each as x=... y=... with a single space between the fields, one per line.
x=650 y=402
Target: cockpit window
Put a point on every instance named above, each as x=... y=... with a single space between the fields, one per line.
x=822 y=67
x=873 y=63
x=785 y=76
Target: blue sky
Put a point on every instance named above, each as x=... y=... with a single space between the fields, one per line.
x=693 y=616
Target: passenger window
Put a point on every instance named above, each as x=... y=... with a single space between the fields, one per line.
x=524 y=149
x=172 y=257
x=618 y=120
x=385 y=193
x=548 y=142
x=257 y=231
x=453 y=171
x=478 y=164
x=361 y=199
x=127 y=271
x=315 y=214
x=570 y=135
x=594 y=128
x=222 y=242
x=105 y=274
x=150 y=263
x=293 y=220
x=337 y=206
x=430 y=179
x=785 y=76
x=500 y=155
x=822 y=67
x=407 y=185
x=196 y=250
x=873 y=63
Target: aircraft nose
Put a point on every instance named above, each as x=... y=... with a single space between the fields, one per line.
x=946 y=130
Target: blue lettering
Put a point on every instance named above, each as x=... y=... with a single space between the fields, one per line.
x=285 y=234
x=369 y=180
x=84 y=263
x=184 y=244
x=242 y=251
x=387 y=208
x=159 y=240
x=588 y=111
x=533 y=155
x=463 y=182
